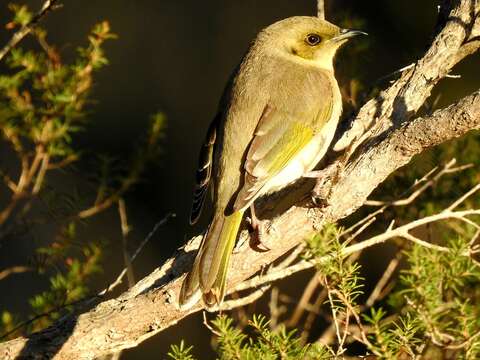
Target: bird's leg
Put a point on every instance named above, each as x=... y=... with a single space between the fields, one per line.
x=325 y=179
x=258 y=229
x=315 y=174
x=324 y=173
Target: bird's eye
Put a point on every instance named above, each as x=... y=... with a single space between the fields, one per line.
x=313 y=39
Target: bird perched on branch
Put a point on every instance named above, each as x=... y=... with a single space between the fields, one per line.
x=275 y=122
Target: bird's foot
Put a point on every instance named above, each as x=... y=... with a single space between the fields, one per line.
x=325 y=179
x=258 y=229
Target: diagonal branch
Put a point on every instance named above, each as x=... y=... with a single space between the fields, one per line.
x=26 y=29
x=457 y=39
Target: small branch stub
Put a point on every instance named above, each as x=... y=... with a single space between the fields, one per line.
x=321 y=9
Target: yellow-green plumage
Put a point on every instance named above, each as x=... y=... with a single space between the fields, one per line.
x=214 y=275
x=275 y=122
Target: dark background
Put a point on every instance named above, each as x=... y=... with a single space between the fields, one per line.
x=175 y=57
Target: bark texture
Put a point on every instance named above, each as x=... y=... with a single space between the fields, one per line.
x=383 y=137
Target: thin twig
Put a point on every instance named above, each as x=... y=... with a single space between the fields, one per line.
x=47 y=6
x=241 y=313
x=107 y=202
x=406 y=235
x=120 y=277
x=353 y=311
x=9 y=182
x=328 y=334
x=465 y=343
x=375 y=295
x=208 y=326
x=313 y=312
x=276 y=310
x=41 y=174
x=40 y=316
x=396 y=72
x=402 y=231
x=447 y=169
x=63 y=163
x=297 y=251
x=14 y=270
x=464 y=197
x=125 y=231
x=413 y=192
x=24 y=181
x=360 y=231
x=122 y=211
x=245 y=300
x=321 y=9
x=304 y=301
x=335 y=320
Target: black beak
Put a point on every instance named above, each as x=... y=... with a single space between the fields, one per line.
x=346 y=34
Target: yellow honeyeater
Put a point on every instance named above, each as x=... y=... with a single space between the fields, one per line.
x=275 y=122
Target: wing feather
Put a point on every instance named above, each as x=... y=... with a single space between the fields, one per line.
x=285 y=127
x=204 y=171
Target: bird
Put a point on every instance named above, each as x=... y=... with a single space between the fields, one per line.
x=275 y=122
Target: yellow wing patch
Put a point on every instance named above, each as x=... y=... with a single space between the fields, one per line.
x=294 y=138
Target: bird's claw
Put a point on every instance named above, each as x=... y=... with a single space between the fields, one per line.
x=257 y=232
x=318 y=200
x=325 y=179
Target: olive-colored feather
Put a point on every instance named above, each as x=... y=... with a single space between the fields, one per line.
x=215 y=258
x=275 y=122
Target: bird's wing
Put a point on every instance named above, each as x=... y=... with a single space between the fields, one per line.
x=204 y=171
x=288 y=123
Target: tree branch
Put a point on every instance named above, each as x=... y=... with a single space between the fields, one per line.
x=388 y=139
x=457 y=39
x=47 y=6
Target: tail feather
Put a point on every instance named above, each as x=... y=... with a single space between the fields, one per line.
x=216 y=292
x=210 y=268
x=220 y=241
x=190 y=292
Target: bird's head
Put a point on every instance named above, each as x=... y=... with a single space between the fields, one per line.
x=306 y=38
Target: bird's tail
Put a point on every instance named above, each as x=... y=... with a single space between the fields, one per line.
x=209 y=272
